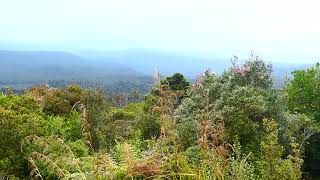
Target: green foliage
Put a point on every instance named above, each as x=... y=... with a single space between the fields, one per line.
x=69 y=128
x=302 y=96
x=192 y=155
x=177 y=132
x=303 y=92
x=149 y=124
x=242 y=109
x=19 y=104
x=57 y=101
x=52 y=158
x=299 y=128
x=120 y=125
x=176 y=166
x=16 y=122
x=271 y=165
x=188 y=132
x=96 y=107
x=188 y=114
x=240 y=95
x=254 y=72
x=177 y=82
x=239 y=167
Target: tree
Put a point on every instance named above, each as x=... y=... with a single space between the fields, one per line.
x=243 y=109
x=57 y=101
x=254 y=72
x=303 y=96
x=96 y=106
x=303 y=92
x=177 y=82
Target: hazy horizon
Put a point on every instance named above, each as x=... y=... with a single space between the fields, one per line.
x=283 y=31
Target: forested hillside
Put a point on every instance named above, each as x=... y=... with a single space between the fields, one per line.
x=23 y=69
x=235 y=125
x=120 y=72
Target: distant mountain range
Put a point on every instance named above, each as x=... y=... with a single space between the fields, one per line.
x=25 y=68
x=168 y=63
x=29 y=67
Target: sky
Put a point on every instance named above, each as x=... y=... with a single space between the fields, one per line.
x=277 y=30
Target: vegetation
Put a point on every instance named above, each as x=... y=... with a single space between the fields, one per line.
x=231 y=126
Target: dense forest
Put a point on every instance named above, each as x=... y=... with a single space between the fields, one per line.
x=235 y=125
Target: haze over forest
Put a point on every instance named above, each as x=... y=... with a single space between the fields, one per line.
x=160 y=89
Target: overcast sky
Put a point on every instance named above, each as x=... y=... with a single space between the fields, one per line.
x=278 y=30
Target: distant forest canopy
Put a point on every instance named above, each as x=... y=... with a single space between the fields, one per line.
x=118 y=72
x=235 y=126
